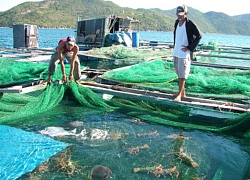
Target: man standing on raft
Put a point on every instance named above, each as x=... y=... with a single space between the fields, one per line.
x=186 y=38
x=66 y=49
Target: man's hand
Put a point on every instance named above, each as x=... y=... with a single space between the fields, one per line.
x=64 y=79
x=70 y=77
x=184 y=48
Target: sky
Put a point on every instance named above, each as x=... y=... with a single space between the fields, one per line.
x=229 y=7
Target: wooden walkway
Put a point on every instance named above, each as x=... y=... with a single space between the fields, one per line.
x=196 y=63
x=208 y=54
x=212 y=108
x=130 y=93
x=147 y=95
x=23 y=88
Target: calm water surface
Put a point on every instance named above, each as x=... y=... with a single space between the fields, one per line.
x=48 y=38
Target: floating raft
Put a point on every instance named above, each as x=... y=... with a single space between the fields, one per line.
x=209 y=54
x=196 y=63
x=153 y=96
x=163 y=97
x=23 y=88
x=24 y=54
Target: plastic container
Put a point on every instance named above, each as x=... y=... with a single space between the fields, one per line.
x=135 y=39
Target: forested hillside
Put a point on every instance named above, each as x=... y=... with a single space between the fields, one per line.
x=63 y=14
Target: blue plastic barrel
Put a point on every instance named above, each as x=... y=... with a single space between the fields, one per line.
x=135 y=39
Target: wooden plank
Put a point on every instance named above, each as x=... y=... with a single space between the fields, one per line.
x=43 y=49
x=187 y=99
x=92 y=73
x=163 y=97
x=207 y=54
x=230 y=52
x=32 y=88
x=110 y=57
x=13 y=89
x=219 y=65
x=43 y=58
x=101 y=80
x=15 y=55
x=25 y=88
x=22 y=90
x=233 y=47
x=196 y=63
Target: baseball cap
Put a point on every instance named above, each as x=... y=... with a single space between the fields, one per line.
x=181 y=10
x=71 y=40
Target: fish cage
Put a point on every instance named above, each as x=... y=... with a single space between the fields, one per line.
x=136 y=132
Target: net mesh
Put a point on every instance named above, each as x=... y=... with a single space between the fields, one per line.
x=171 y=116
x=18 y=106
x=13 y=72
x=28 y=105
x=205 y=82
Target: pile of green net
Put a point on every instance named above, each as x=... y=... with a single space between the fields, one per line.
x=122 y=52
x=14 y=72
x=203 y=81
x=14 y=106
x=17 y=106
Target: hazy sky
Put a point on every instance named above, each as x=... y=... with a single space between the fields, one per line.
x=230 y=7
x=7 y=4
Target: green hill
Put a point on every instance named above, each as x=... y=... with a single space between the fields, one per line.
x=243 y=17
x=63 y=14
x=227 y=24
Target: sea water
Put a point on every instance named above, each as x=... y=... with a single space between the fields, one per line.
x=48 y=38
x=218 y=155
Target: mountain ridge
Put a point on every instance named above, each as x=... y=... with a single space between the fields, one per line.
x=63 y=14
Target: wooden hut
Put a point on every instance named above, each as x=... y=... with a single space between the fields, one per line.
x=25 y=36
x=98 y=29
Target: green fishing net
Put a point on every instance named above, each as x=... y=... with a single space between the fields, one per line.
x=14 y=72
x=130 y=54
x=152 y=75
x=14 y=106
x=27 y=105
x=202 y=82
x=179 y=116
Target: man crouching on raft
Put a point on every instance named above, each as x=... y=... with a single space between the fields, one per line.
x=68 y=49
